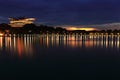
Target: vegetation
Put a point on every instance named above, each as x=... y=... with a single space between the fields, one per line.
x=43 y=29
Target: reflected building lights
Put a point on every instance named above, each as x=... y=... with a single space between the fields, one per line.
x=88 y=41
x=118 y=42
x=57 y=40
x=52 y=40
x=106 y=41
x=66 y=40
x=1 y=43
x=25 y=45
x=88 y=44
x=17 y=45
x=47 y=41
x=102 y=42
x=14 y=40
x=112 y=42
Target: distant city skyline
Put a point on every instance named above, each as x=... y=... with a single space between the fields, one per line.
x=63 y=12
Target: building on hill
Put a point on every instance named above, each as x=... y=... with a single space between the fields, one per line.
x=20 y=21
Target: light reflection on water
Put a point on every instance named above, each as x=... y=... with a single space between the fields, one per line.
x=26 y=45
x=82 y=41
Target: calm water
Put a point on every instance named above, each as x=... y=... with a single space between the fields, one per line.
x=60 y=57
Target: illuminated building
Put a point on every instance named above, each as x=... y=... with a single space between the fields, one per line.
x=21 y=21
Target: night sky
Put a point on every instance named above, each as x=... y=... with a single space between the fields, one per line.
x=63 y=12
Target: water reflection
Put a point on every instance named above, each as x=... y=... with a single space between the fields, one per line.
x=81 y=41
x=27 y=45
x=19 y=45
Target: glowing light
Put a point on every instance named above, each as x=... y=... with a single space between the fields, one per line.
x=77 y=28
x=19 y=46
x=1 y=42
x=20 y=22
x=1 y=34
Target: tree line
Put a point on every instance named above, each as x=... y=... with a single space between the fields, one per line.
x=43 y=29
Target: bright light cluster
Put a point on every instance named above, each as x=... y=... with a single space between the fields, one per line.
x=77 y=28
x=20 y=22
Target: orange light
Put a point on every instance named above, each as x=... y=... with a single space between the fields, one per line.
x=1 y=34
x=19 y=46
x=77 y=28
x=21 y=22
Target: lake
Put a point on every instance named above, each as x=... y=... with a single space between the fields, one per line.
x=60 y=57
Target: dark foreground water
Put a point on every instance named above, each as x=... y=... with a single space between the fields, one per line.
x=60 y=57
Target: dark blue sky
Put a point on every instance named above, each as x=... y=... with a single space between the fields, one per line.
x=63 y=12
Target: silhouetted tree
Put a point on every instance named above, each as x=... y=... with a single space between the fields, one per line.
x=102 y=31
x=60 y=30
x=109 y=31
x=116 y=31
x=4 y=27
x=29 y=28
